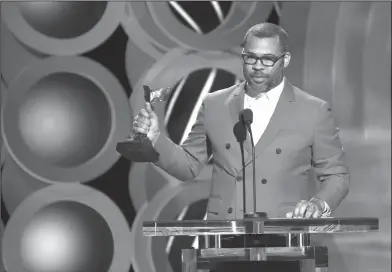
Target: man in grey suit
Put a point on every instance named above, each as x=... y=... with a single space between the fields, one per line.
x=293 y=132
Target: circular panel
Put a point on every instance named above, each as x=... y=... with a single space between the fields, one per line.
x=166 y=205
x=219 y=38
x=78 y=227
x=3 y=149
x=141 y=29
x=167 y=71
x=177 y=64
x=17 y=185
x=14 y=55
x=145 y=180
x=53 y=18
x=137 y=61
x=63 y=118
x=201 y=16
x=67 y=236
x=17 y=17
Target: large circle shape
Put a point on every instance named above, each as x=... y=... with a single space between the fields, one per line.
x=17 y=185
x=3 y=149
x=177 y=64
x=119 y=111
x=14 y=55
x=137 y=61
x=13 y=16
x=221 y=38
x=141 y=29
x=166 y=205
x=167 y=71
x=61 y=193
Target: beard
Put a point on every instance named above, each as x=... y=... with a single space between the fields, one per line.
x=256 y=86
x=260 y=86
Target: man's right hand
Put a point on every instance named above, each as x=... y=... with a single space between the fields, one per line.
x=146 y=122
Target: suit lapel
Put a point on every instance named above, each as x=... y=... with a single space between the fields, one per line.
x=279 y=120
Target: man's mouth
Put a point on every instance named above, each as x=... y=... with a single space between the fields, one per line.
x=259 y=79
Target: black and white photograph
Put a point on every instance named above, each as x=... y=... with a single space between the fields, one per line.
x=195 y=136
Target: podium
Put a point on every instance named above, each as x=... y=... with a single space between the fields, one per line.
x=298 y=250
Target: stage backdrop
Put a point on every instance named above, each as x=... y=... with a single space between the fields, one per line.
x=71 y=77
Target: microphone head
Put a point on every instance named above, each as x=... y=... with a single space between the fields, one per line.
x=239 y=131
x=246 y=116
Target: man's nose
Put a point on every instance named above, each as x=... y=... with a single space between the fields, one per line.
x=258 y=65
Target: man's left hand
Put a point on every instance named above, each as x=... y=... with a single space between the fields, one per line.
x=307 y=209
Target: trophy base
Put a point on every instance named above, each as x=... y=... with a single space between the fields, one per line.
x=138 y=149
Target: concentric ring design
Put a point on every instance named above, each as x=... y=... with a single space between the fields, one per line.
x=96 y=200
x=221 y=38
x=3 y=149
x=16 y=185
x=142 y=22
x=142 y=30
x=109 y=21
x=137 y=62
x=177 y=64
x=14 y=55
x=119 y=111
x=166 y=205
x=145 y=180
x=167 y=71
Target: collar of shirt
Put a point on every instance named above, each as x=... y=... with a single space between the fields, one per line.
x=272 y=95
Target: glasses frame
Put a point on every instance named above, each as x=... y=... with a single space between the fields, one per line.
x=244 y=54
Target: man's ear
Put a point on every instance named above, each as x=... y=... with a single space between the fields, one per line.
x=286 y=59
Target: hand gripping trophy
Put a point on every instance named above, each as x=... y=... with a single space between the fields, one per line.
x=139 y=147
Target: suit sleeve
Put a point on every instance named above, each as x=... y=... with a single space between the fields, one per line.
x=327 y=159
x=185 y=161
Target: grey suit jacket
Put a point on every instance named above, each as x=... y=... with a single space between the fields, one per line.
x=301 y=135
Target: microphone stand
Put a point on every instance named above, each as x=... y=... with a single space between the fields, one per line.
x=239 y=130
x=243 y=177
x=254 y=214
x=254 y=168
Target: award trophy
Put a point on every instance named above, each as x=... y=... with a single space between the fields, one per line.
x=139 y=147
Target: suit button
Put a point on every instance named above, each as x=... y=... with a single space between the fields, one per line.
x=238 y=179
x=264 y=181
x=230 y=210
x=227 y=146
x=278 y=151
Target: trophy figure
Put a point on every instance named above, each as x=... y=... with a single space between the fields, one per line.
x=139 y=147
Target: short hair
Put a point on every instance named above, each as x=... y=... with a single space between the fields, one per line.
x=268 y=30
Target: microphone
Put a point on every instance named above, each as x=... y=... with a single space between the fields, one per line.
x=246 y=116
x=239 y=131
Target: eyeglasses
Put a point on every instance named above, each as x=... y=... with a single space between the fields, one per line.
x=266 y=60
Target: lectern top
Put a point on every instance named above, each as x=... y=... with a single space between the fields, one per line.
x=259 y=226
